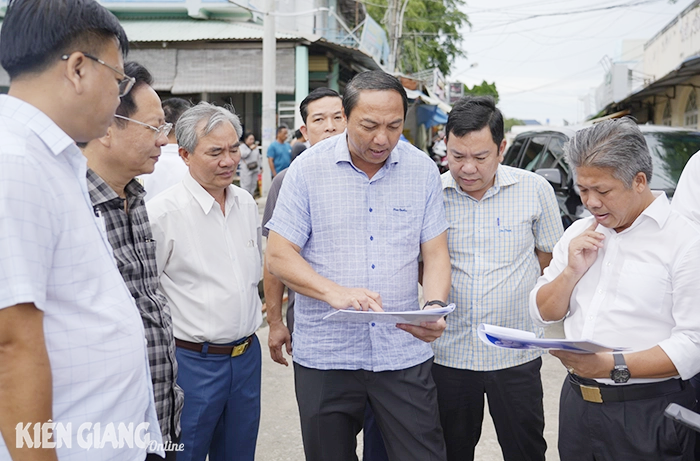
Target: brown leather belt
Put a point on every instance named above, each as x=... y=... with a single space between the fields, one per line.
x=233 y=351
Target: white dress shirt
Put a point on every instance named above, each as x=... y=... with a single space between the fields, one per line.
x=169 y=170
x=54 y=254
x=686 y=198
x=642 y=290
x=209 y=264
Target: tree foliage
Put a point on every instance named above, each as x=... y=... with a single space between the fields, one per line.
x=430 y=36
x=510 y=123
x=484 y=89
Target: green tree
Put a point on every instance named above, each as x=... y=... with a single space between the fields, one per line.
x=510 y=123
x=484 y=89
x=430 y=35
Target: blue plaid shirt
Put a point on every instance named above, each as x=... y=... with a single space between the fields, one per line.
x=359 y=232
x=492 y=245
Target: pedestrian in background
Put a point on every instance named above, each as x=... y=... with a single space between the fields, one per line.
x=279 y=153
x=250 y=159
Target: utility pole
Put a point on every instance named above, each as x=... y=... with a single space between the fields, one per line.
x=269 y=90
x=394 y=21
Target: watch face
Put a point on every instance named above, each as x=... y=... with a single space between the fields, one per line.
x=620 y=375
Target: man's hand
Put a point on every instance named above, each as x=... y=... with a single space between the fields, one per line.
x=278 y=336
x=427 y=331
x=583 y=250
x=586 y=365
x=359 y=299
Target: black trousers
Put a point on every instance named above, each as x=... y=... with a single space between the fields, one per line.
x=634 y=430
x=332 y=409
x=515 y=403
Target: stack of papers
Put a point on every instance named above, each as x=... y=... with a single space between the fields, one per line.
x=511 y=338
x=412 y=317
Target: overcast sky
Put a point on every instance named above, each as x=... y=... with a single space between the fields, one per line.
x=543 y=66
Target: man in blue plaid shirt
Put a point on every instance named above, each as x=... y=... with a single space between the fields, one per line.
x=354 y=213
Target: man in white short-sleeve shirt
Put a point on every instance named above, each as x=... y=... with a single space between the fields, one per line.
x=72 y=347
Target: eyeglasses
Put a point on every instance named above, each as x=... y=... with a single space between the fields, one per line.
x=161 y=130
x=125 y=84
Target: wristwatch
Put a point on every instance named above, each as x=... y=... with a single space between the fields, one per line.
x=620 y=374
x=434 y=302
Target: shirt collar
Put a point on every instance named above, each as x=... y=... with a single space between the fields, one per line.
x=38 y=122
x=342 y=153
x=101 y=192
x=205 y=199
x=658 y=211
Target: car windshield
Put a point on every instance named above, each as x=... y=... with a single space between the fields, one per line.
x=670 y=152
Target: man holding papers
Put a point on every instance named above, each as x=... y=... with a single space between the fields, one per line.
x=504 y=223
x=627 y=276
x=353 y=215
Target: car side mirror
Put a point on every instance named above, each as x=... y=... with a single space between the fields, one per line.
x=552 y=175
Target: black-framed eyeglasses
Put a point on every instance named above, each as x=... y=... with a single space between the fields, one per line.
x=161 y=130
x=125 y=84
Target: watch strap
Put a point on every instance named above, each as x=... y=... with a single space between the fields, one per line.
x=619 y=360
x=434 y=302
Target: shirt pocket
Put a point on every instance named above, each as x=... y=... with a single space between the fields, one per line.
x=642 y=284
x=403 y=224
x=505 y=241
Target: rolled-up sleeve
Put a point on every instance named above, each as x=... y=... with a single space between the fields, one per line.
x=683 y=346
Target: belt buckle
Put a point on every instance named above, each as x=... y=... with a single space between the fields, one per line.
x=591 y=394
x=240 y=349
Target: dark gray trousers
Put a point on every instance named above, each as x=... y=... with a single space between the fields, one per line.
x=634 y=430
x=332 y=409
x=515 y=403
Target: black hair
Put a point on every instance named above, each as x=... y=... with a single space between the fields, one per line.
x=298 y=135
x=35 y=33
x=174 y=108
x=473 y=113
x=372 y=80
x=315 y=95
x=127 y=105
x=245 y=135
x=280 y=128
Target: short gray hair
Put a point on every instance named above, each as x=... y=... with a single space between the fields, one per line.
x=186 y=128
x=615 y=144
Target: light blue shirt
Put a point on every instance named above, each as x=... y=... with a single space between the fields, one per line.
x=492 y=245
x=359 y=232
x=281 y=155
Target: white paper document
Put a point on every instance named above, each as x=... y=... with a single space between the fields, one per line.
x=511 y=338
x=412 y=317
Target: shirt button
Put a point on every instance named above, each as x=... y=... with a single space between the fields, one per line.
x=370 y=210
x=373 y=324
x=590 y=317
x=600 y=291
x=371 y=238
x=372 y=266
